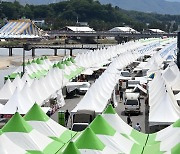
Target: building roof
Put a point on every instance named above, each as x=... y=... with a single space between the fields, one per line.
x=123 y=29
x=23 y=28
x=157 y=30
x=80 y=29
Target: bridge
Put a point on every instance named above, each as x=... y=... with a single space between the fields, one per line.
x=69 y=47
x=129 y=34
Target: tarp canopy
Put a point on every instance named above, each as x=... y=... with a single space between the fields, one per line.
x=23 y=135
x=45 y=125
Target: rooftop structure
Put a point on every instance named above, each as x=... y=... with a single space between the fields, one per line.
x=79 y=29
x=22 y=29
x=156 y=31
x=123 y=29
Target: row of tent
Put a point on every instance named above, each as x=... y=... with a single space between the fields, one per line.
x=163 y=105
x=100 y=92
x=40 y=90
x=164 y=108
x=37 y=133
x=23 y=92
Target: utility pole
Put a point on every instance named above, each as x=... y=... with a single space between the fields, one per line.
x=178 y=48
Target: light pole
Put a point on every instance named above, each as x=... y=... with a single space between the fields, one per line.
x=26 y=47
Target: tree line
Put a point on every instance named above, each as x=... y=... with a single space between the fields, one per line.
x=99 y=17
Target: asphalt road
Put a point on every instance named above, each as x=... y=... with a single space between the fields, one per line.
x=71 y=103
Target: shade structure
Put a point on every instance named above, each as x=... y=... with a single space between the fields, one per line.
x=7 y=90
x=71 y=148
x=123 y=128
x=7 y=146
x=88 y=142
x=112 y=138
x=16 y=103
x=23 y=135
x=166 y=140
x=48 y=127
x=163 y=105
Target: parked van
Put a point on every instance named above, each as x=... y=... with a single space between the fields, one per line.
x=132 y=103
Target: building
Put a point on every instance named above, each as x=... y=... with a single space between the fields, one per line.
x=123 y=29
x=20 y=29
x=156 y=31
x=78 y=29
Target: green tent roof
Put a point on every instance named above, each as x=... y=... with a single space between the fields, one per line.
x=55 y=65
x=72 y=60
x=101 y=126
x=176 y=149
x=33 y=61
x=36 y=114
x=28 y=62
x=39 y=61
x=68 y=63
x=42 y=58
x=17 y=124
x=60 y=65
x=139 y=137
x=71 y=149
x=177 y=123
x=88 y=140
x=154 y=149
x=109 y=110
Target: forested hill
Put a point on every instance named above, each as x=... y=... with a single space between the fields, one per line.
x=158 y=6
x=99 y=17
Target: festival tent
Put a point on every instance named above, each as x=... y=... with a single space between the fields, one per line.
x=28 y=94
x=16 y=102
x=163 y=106
x=71 y=148
x=123 y=128
x=17 y=82
x=45 y=125
x=26 y=78
x=89 y=143
x=166 y=140
x=7 y=90
x=95 y=99
x=38 y=96
x=116 y=141
x=29 y=139
x=8 y=147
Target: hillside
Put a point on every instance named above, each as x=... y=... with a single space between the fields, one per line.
x=156 y=6
x=148 y=6
x=99 y=17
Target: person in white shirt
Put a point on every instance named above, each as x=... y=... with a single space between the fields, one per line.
x=137 y=127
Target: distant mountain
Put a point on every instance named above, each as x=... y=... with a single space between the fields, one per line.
x=155 y=6
x=35 y=2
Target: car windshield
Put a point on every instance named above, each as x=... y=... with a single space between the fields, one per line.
x=125 y=74
x=131 y=102
x=79 y=127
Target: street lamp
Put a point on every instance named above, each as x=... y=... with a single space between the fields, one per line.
x=26 y=47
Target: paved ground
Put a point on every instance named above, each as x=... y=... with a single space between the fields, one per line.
x=71 y=103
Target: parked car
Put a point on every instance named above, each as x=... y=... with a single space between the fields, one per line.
x=132 y=103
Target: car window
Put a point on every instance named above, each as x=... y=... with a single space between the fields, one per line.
x=79 y=127
x=131 y=102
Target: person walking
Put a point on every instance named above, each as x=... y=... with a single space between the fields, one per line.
x=129 y=121
x=137 y=127
x=67 y=114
